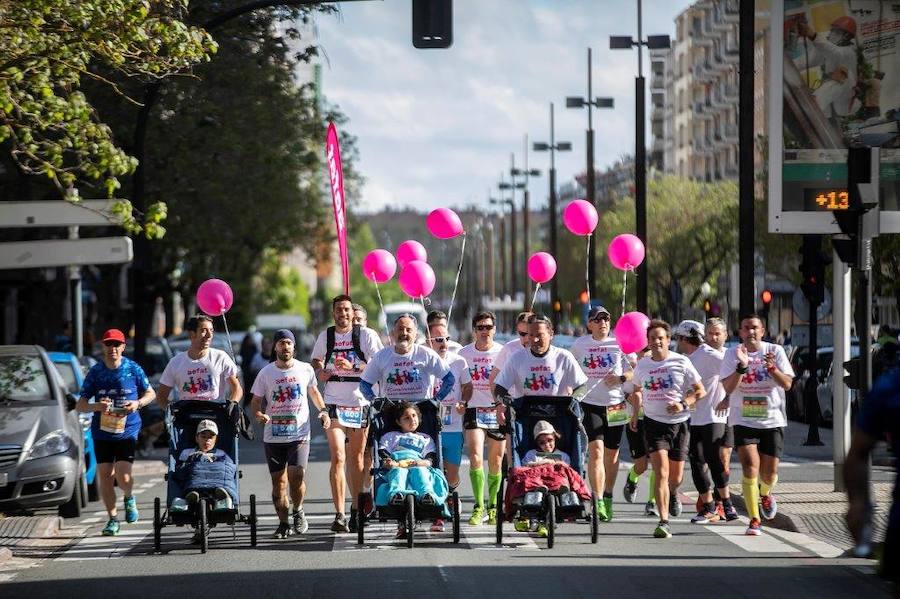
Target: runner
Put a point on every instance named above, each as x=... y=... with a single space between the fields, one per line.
x=513 y=346
x=666 y=386
x=197 y=374
x=438 y=317
x=756 y=374
x=280 y=395
x=707 y=424
x=480 y=417
x=339 y=357
x=716 y=334
x=605 y=416
x=451 y=420
x=637 y=448
x=119 y=389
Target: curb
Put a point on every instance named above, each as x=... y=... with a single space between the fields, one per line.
x=16 y=529
x=5 y=555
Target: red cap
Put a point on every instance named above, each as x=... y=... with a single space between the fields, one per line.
x=114 y=335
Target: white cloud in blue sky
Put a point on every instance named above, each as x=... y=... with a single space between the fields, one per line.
x=436 y=127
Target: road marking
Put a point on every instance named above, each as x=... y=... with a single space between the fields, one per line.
x=820 y=548
x=764 y=543
x=485 y=538
x=98 y=547
x=93 y=520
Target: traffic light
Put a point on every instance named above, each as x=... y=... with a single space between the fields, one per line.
x=812 y=269
x=766 y=297
x=707 y=307
x=432 y=23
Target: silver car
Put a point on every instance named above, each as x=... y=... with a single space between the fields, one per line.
x=41 y=440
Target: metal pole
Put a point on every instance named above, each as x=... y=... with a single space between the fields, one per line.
x=841 y=393
x=640 y=173
x=590 y=182
x=504 y=289
x=554 y=285
x=75 y=293
x=526 y=241
x=745 y=158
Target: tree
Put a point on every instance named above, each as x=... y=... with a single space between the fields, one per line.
x=279 y=289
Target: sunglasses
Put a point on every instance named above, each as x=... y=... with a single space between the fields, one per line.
x=600 y=317
x=523 y=333
x=113 y=343
x=441 y=339
x=484 y=327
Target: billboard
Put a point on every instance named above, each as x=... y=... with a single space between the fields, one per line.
x=834 y=75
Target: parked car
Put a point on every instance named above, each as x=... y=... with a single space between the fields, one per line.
x=41 y=438
x=70 y=369
x=796 y=406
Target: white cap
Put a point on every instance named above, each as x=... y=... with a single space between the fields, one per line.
x=690 y=328
x=208 y=425
x=542 y=427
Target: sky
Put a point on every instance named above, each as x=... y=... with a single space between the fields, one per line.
x=437 y=127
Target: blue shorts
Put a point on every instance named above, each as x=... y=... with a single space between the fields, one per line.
x=451 y=447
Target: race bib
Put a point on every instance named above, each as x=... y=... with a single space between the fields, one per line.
x=284 y=425
x=447 y=414
x=350 y=417
x=486 y=418
x=755 y=408
x=616 y=415
x=113 y=423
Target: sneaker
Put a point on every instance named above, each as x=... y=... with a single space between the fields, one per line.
x=352 y=525
x=705 y=517
x=398 y=499
x=675 y=507
x=630 y=490
x=111 y=529
x=178 y=505
x=602 y=514
x=730 y=513
x=300 y=523
x=428 y=499
x=193 y=497
x=608 y=504
x=720 y=510
x=523 y=525
x=437 y=525
x=131 y=511
x=662 y=531
x=223 y=505
x=754 y=530
x=542 y=530
x=533 y=499
x=283 y=531
x=492 y=515
x=340 y=524
x=401 y=532
x=650 y=509
x=478 y=516
x=769 y=506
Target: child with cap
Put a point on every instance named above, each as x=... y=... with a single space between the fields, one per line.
x=205 y=469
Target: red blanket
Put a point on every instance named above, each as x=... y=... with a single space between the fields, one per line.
x=552 y=476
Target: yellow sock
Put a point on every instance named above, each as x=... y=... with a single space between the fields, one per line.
x=751 y=496
x=766 y=488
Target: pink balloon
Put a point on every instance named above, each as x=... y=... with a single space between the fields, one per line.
x=410 y=250
x=626 y=251
x=444 y=223
x=631 y=331
x=580 y=217
x=379 y=266
x=214 y=297
x=541 y=267
x=416 y=279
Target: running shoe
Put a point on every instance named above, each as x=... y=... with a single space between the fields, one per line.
x=478 y=516
x=650 y=509
x=720 y=510
x=542 y=530
x=401 y=532
x=662 y=531
x=437 y=525
x=301 y=525
x=755 y=529
x=193 y=497
x=608 y=505
x=705 y=516
x=340 y=524
x=674 y=506
x=351 y=523
x=730 y=513
x=131 y=511
x=178 y=505
x=602 y=514
x=769 y=506
x=523 y=525
x=283 y=531
x=630 y=490
x=492 y=515
x=223 y=505
x=111 y=529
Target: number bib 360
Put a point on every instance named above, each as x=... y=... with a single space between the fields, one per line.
x=350 y=417
x=616 y=415
x=111 y=423
x=755 y=408
x=486 y=418
x=284 y=425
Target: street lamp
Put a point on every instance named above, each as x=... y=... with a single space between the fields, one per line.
x=653 y=42
x=553 y=147
x=513 y=249
x=500 y=202
x=525 y=173
x=590 y=102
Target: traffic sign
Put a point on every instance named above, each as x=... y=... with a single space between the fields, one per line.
x=801 y=306
x=65 y=252
x=57 y=213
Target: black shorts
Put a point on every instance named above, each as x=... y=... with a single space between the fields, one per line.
x=769 y=441
x=597 y=426
x=728 y=441
x=469 y=423
x=674 y=438
x=636 y=445
x=281 y=455
x=110 y=452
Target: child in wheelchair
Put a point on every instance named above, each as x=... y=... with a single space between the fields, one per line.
x=204 y=470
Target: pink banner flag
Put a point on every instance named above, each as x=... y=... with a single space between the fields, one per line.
x=336 y=176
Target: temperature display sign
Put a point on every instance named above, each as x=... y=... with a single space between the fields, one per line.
x=817 y=200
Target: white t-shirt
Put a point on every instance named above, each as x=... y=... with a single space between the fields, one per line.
x=412 y=376
x=342 y=393
x=450 y=418
x=663 y=382
x=398 y=441
x=199 y=379
x=509 y=348
x=757 y=401
x=554 y=373
x=454 y=347
x=708 y=362
x=599 y=359
x=481 y=364
x=284 y=393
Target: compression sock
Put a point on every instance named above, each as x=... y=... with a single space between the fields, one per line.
x=493 y=488
x=766 y=488
x=632 y=475
x=477 y=478
x=751 y=496
x=651 y=490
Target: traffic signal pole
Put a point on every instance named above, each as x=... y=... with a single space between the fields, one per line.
x=840 y=392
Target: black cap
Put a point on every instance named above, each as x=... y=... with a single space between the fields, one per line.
x=283 y=334
x=597 y=311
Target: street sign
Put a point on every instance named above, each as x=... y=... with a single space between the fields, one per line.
x=65 y=252
x=57 y=213
x=800 y=335
x=801 y=306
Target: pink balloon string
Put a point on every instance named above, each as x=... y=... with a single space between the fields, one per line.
x=380 y=303
x=587 y=271
x=462 y=255
x=624 y=287
x=537 y=288
x=427 y=330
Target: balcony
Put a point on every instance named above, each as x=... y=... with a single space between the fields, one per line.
x=730 y=133
x=732 y=11
x=731 y=92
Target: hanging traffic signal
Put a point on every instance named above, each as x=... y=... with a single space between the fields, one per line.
x=583 y=297
x=432 y=23
x=766 y=297
x=812 y=269
x=707 y=307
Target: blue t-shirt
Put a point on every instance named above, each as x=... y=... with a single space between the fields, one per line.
x=123 y=384
x=879 y=415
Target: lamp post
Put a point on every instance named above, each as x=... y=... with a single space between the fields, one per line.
x=503 y=269
x=591 y=103
x=553 y=147
x=513 y=248
x=653 y=42
x=526 y=211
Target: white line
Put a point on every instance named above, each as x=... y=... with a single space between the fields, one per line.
x=93 y=520
x=820 y=548
x=100 y=547
x=761 y=544
x=443 y=573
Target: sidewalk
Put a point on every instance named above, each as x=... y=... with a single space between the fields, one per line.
x=807 y=502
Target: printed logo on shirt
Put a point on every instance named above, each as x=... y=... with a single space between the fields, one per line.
x=658 y=383
x=538 y=383
x=406 y=377
x=198 y=385
x=285 y=393
x=414 y=443
x=604 y=360
x=348 y=355
x=479 y=373
x=757 y=374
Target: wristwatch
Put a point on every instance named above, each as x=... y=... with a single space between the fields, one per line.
x=356 y=368
x=622 y=378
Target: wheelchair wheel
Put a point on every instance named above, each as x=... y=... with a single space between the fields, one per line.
x=360 y=519
x=410 y=519
x=595 y=519
x=203 y=524
x=551 y=520
x=252 y=520
x=500 y=516
x=157 y=525
x=455 y=499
